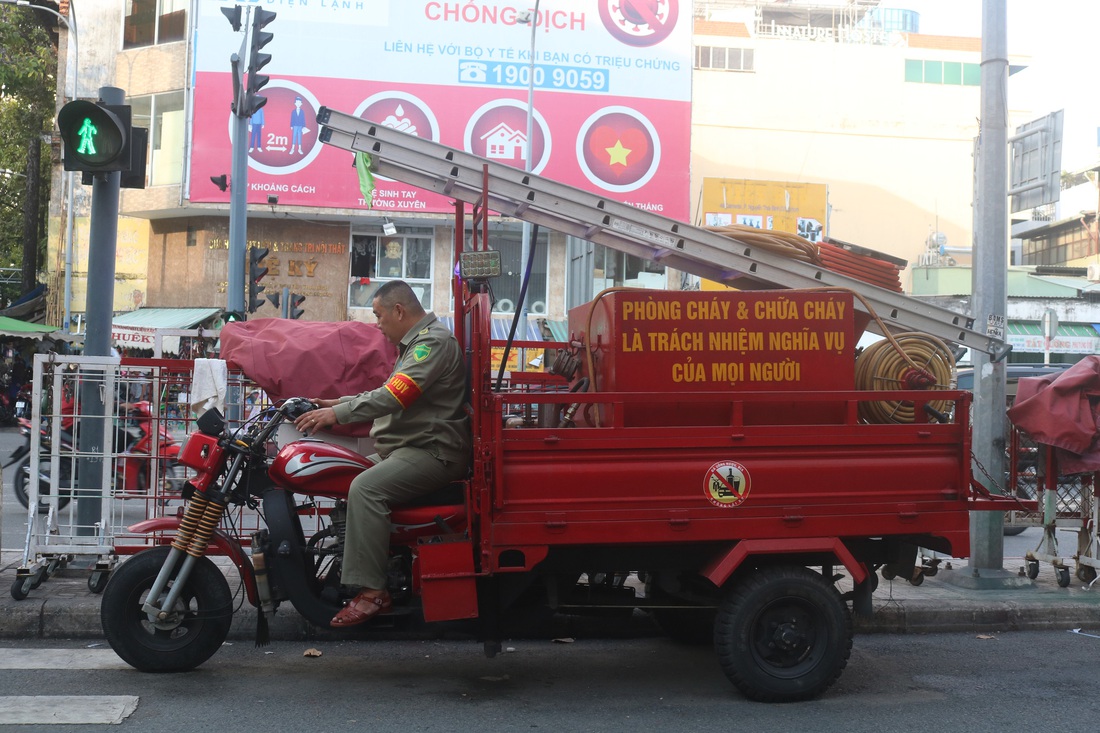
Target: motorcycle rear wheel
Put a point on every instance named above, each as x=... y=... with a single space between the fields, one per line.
x=22 y=481
x=199 y=624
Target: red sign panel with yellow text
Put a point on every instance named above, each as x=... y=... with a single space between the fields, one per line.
x=765 y=341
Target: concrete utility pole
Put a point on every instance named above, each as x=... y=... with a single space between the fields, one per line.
x=989 y=296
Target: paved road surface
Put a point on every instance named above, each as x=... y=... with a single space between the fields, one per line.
x=938 y=682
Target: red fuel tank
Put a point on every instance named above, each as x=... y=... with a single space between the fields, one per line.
x=316 y=468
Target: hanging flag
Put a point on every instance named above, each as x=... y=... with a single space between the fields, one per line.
x=366 y=178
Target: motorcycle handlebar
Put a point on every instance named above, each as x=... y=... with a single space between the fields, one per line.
x=295 y=407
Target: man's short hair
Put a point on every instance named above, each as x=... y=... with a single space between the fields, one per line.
x=398 y=291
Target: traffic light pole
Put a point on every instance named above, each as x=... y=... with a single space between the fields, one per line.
x=99 y=307
x=238 y=216
x=238 y=192
x=246 y=102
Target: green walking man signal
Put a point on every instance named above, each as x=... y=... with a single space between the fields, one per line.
x=96 y=137
x=87 y=133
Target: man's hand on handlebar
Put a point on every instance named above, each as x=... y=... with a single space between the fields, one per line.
x=319 y=419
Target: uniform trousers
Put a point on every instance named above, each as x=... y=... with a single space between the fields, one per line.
x=403 y=475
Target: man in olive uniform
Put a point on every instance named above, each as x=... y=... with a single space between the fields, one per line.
x=421 y=432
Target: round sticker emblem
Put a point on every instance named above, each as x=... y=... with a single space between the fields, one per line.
x=726 y=484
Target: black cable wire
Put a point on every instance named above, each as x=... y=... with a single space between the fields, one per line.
x=519 y=304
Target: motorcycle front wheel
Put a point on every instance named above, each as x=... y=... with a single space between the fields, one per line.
x=23 y=478
x=195 y=629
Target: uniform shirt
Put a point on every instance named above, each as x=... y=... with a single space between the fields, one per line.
x=423 y=403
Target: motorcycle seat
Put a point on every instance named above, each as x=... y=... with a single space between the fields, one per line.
x=447 y=503
x=452 y=493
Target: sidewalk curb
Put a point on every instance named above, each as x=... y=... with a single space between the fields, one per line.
x=926 y=617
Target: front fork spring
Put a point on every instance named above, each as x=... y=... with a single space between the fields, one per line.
x=196 y=507
x=207 y=524
x=196 y=528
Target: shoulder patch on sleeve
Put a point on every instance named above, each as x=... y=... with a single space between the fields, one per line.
x=421 y=351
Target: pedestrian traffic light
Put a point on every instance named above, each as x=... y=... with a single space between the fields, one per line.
x=294 y=305
x=256 y=272
x=232 y=317
x=257 y=60
x=95 y=136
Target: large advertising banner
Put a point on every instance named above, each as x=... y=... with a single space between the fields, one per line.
x=611 y=112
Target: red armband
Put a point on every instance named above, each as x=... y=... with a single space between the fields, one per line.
x=403 y=389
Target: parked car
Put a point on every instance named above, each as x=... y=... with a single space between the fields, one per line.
x=1013 y=372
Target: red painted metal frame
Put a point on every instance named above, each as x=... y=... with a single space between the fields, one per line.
x=818 y=486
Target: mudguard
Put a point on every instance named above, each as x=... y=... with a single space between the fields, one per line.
x=220 y=541
x=723 y=565
x=287 y=562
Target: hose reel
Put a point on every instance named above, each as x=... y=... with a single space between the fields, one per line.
x=907 y=361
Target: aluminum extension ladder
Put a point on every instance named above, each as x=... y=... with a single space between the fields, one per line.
x=512 y=192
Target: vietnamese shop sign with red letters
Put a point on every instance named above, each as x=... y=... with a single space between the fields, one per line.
x=611 y=103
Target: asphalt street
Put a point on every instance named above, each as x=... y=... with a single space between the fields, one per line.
x=954 y=682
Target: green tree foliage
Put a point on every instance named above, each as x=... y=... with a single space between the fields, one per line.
x=28 y=90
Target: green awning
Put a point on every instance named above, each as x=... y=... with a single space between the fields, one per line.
x=138 y=329
x=1075 y=330
x=559 y=329
x=1071 y=338
x=13 y=327
x=165 y=317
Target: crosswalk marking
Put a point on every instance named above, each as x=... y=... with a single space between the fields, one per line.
x=60 y=659
x=66 y=709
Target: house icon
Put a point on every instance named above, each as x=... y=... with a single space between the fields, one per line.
x=504 y=143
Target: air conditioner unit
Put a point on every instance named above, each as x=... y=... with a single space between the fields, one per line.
x=1093 y=273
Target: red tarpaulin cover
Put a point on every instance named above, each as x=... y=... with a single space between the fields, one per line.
x=1063 y=410
x=291 y=358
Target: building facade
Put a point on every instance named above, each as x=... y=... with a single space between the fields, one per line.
x=830 y=95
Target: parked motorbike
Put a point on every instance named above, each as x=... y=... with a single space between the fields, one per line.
x=169 y=608
x=23 y=402
x=132 y=467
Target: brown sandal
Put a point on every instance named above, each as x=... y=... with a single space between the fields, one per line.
x=362 y=608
